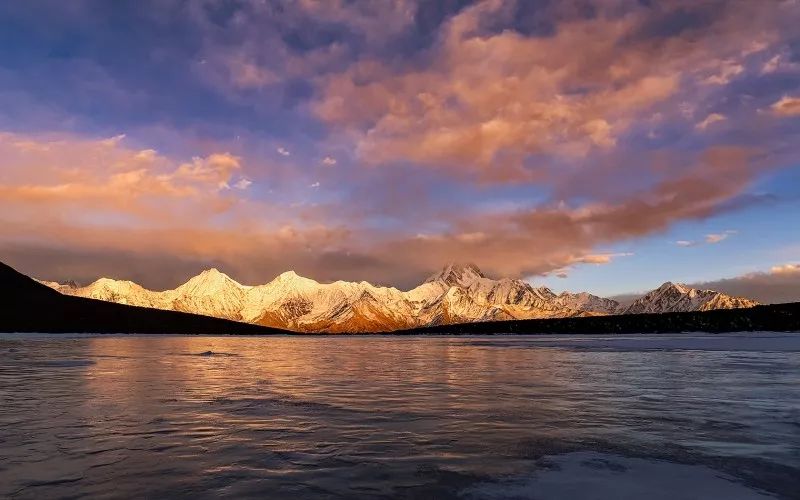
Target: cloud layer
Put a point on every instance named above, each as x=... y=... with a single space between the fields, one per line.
x=378 y=140
x=778 y=285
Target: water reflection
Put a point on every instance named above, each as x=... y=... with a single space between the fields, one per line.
x=369 y=417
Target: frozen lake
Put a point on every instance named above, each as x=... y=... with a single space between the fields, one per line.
x=589 y=417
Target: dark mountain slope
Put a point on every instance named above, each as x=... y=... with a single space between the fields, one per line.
x=29 y=306
x=775 y=317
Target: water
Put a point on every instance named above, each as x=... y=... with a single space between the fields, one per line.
x=383 y=417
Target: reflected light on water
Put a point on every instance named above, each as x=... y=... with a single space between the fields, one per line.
x=343 y=417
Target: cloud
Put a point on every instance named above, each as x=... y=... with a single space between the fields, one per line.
x=329 y=161
x=772 y=65
x=522 y=138
x=264 y=45
x=785 y=269
x=778 y=285
x=84 y=179
x=787 y=106
x=594 y=259
x=115 y=140
x=576 y=92
x=781 y=62
x=243 y=183
x=710 y=119
x=563 y=235
x=151 y=205
x=603 y=258
x=489 y=119
x=710 y=239
x=215 y=169
x=727 y=71
x=246 y=75
x=716 y=237
x=561 y=273
x=85 y=170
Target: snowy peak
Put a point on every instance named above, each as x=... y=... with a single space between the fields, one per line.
x=289 y=282
x=210 y=281
x=670 y=287
x=588 y=303
x=211 y=292
x=677 y=297
x=456 y=274
x=544 y=293
x=120 y=291
x=293 y=277
x=212 y=276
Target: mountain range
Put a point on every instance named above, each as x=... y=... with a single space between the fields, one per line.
x=459 y=293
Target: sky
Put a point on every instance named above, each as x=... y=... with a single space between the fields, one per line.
x=600 y=145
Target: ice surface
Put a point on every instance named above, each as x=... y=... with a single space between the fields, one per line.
x=761 y=341
x=587 y=475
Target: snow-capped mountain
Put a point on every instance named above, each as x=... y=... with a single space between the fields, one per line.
x=457 y=294
x=587 y=302
x=675 y=297
x=212 y=292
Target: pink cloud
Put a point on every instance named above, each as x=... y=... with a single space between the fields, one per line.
x=787 y=106
x=709 y=120
x=484 y=103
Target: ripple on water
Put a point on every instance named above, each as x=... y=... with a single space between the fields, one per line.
x=63 y=363
x=399 y=417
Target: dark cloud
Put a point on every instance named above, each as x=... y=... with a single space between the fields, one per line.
x=157 y=272
x=781 y=284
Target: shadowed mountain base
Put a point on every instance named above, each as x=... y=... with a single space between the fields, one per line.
x=28 y=306
x=776 y=317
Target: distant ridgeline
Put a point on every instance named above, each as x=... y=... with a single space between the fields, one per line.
x=459 y=293
x=776 y=318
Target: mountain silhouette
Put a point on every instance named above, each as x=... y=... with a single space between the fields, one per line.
x=29 y=306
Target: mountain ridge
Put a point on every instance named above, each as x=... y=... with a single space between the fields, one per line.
x=458 y=293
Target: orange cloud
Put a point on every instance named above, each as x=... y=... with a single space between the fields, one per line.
x=122 y=200
x=485 y=102
x=602 y=258
x=67 y=175
x=786 y=269
x=787 y=106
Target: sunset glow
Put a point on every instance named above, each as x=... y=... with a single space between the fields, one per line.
x=586 y=145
